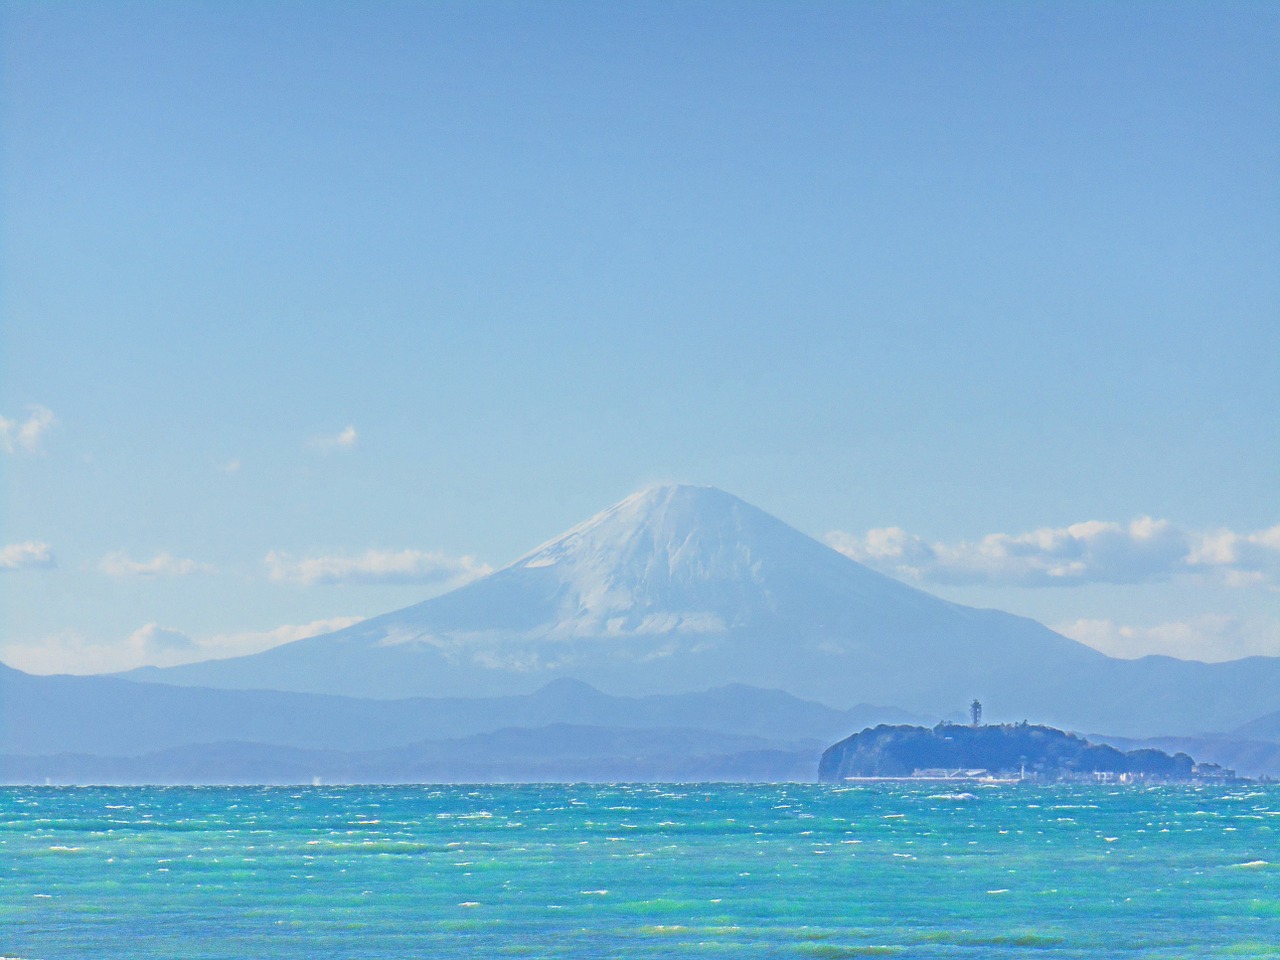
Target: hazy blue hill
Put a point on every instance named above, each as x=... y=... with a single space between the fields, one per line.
x=106 y=715
x=1266 y=727
x=83 y=729
x=109 y=716
x=688 y=588
x=1248 y=757
x=558 y=752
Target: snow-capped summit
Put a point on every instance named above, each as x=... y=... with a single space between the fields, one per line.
x=680 y=589
x=675 y=561
x=674 y=588
x=670 y=558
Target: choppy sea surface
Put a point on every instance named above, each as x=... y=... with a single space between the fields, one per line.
x=640 y=871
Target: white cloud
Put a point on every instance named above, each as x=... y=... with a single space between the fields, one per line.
x=153 y=642
x=26 y=556
x=1095 y=551
x=344 y=440
x=1212 y=637
x=25 y=435
x=221 y=645
x=1241 y=559
x=231 y=466
x=72 y=652
x=890 y=548
x=153 y=645
x=376 y=567
x=161 y=565
x=265 y=640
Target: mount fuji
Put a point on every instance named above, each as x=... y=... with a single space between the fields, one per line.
x=682 y=588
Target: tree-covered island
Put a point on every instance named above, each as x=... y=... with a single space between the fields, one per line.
x=1008 y=751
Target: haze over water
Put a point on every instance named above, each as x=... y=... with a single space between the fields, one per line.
x=639 y=871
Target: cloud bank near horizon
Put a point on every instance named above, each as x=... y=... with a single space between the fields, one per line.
x=1211 y=637
x=153 y=645
x=398 y=567
x=1143 y=551
x=119 y=564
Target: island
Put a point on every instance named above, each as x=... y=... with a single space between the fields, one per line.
x=1001 y=753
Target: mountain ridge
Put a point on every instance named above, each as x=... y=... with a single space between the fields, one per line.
x=555 y=752
x=45 y=715
x=685 y=588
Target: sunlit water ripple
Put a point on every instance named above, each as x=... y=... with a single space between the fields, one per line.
x=639 y=871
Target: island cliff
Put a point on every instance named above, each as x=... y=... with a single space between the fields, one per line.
x=1021 y=751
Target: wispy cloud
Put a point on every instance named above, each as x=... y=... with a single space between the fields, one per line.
x=1212 y=637
x=253 y=641
x=231 y=466
x=1244 y=559
x=343 y=440
x=376 y=566
x=1094 y=551
x=16 y=435
x=154 y=642
x=31 y=555
x=161 y=565
x=153 y=645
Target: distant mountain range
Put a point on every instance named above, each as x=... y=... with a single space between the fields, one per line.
x=107 y=716
x=557 y=752
x=681 y=634
x=680 y=589
x=66 y=729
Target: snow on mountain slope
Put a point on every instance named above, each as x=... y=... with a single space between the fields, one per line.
x=673 y=586
x=682 y=588
x=680 y=559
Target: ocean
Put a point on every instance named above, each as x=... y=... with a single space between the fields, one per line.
x=640 y=871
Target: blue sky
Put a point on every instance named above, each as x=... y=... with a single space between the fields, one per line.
x=309 y=310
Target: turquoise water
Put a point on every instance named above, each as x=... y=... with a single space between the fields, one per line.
x=639 y=871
